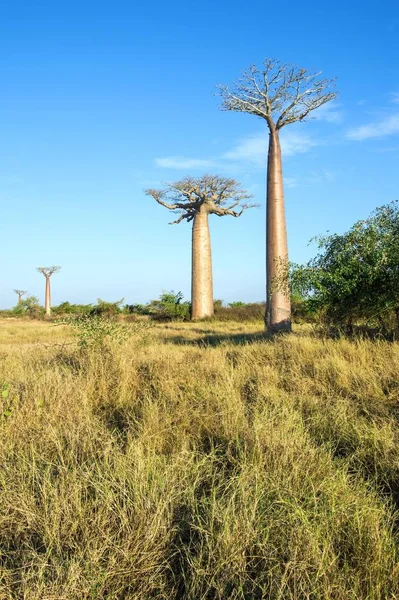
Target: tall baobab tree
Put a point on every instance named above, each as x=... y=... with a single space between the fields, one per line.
x=194 y=199
x=48 y=272
x=20 y=293
x=280 y=94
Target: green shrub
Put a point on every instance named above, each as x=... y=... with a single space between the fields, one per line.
x=29 y=307
x=170 y=307
x=97 y=331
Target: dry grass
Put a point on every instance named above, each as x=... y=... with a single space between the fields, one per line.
x=202 y=462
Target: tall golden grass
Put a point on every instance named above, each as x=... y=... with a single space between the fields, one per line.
x=201 y=462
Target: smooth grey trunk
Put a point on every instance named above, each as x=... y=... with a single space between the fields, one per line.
x=278 y=303
x=201 y=275
x=47 y=299
x=19 y=300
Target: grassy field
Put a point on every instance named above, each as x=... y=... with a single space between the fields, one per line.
x=198 y=461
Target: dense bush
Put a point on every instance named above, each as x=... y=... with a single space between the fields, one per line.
x=106 y=309
x=101 y=309
x=29 y=307
x=169 y=307
x=65 y=308
x=355 y=276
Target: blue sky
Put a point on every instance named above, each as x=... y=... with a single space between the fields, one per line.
x=101 y=100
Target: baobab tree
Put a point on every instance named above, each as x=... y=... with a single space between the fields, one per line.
x=20 y=293
x=194 y=199
x=280 y=94
x=48 y=272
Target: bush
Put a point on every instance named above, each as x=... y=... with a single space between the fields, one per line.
x=97 y=331
x=169 y=307
x=355 y=277
x=106 y=309
x=29 y=307
x=136 y=309
x=65 y=308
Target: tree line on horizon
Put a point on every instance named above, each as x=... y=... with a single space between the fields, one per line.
x=352 y=281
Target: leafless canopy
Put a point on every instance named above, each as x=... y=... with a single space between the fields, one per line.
x=21 y=293
x=278 y=92
x=48 y=271
x=219 y=195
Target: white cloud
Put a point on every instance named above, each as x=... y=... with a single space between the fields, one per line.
x=382 y=128
x=329 y=112
x=254 y=148
x=250 y=151
x=181 y=162
x=296 y=143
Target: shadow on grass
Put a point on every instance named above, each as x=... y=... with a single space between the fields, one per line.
x=216 y=339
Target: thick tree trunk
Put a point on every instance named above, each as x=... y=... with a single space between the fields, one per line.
x=278 y=303
x=47 y=301
x=19 y=300
x=201 y=276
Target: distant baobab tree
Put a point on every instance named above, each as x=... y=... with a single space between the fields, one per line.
x=20 y=293
x=48 y=272
x=280 y=94
x=195 y=199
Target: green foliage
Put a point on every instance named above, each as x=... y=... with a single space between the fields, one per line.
x=108 y=309
x=29 y=307
x=98 y=331
x=136 y=309
x=356 y=274
x=65 y=308
x=170 y=307
x=7 y=402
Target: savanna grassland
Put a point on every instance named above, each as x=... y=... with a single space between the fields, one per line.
x=198 y=461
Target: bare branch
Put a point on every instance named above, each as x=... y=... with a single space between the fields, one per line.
x=21 y=293
x=48 y=271
x=279 y=93
x=221 y=212
x=216 y=195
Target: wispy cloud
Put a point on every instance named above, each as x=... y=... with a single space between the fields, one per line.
x=395 y=97
x=182 y=162
x=382 y=128
x=296 y=143
x=330 y=112
x=253 y=149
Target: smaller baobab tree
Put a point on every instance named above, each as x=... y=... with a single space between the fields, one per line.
x=194 y=199
x=20 y=293
x=279 y=94
x=48 y=272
